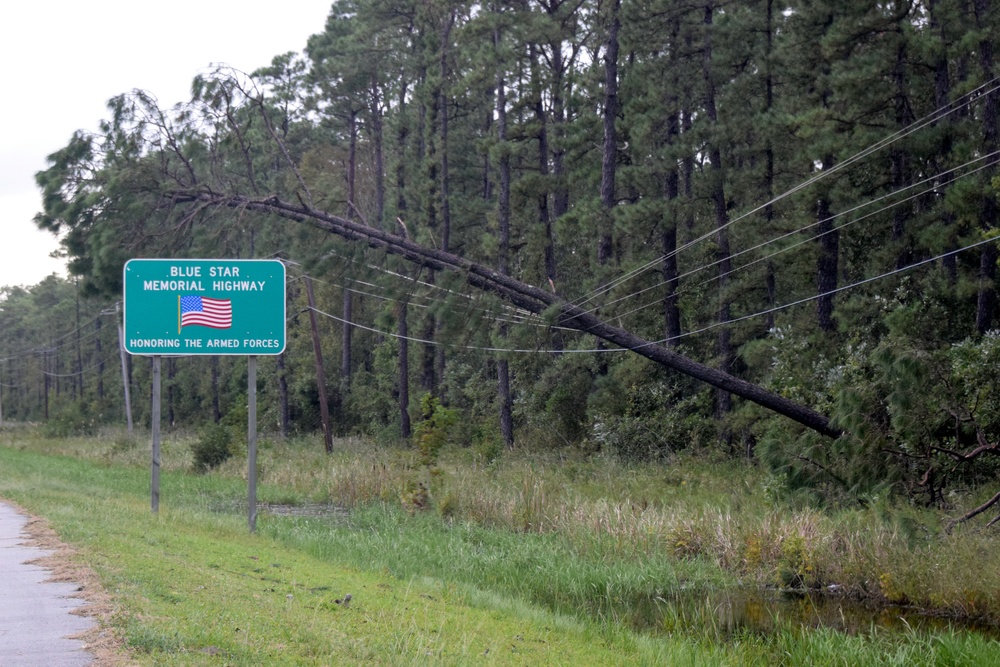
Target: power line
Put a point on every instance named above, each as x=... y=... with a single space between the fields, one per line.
x=814 y=297
x=99 y=364
x=35 y=351
x=688 y=333
x=438 y=343
x=871 y=214
x=927 y=120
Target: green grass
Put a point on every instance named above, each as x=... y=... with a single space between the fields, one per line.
x=188 y=583
x=190 y=586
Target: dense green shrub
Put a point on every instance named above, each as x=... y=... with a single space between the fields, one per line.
x=212 y=448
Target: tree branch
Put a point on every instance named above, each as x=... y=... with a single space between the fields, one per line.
x=979 y=510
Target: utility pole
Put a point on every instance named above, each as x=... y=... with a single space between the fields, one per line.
x=121 y=350
x=324 y=406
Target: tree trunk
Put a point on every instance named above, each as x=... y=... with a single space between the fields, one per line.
x=503 y=220
x=405 y=430
x=723 y=401
x=544 y=213
x=347 y=331
x=324 y=405
x=216 y=411
x=609 y=152
x=47 y=355
x=560 y=195
x=987 y=297
x=100 y=358
x=375 y=110
x=439 y=351
x=942 y=96
x=769 y=279
x=829 y=258
x=671 y=193
x=283 y=407
x=78 y=385
x=898 y=158
x=345 y=349
x=171 y=371
x=402 y=325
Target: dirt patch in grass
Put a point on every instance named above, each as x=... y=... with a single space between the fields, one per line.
x=65 y=566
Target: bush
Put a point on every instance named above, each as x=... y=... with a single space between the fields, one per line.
x=432 y=431
x=213 y=447
x=71 y=419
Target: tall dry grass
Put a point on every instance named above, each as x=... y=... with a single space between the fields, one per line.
x=693 y=507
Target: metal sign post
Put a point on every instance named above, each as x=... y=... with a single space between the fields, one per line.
x=252 y=443
x=155 y=483
x=183 y=307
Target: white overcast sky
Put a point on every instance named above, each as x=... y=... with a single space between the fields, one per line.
x=64 y=59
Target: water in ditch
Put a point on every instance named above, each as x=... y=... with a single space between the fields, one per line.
x=731 y=613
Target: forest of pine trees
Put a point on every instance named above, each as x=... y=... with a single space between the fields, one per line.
x=797 y=195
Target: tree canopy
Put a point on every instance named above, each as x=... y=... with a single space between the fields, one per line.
x=792 y=201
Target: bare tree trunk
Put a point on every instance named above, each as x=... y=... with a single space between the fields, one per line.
x=544 y=212
x=378 y=141
x=443 y=93
x=898 y=157
x=769 y=279
x=402 y=324
x=348 y=318
x=405 y=430
x=78 y=385
x=100 y=358
x=284 y=417
x=987 y=297
x=46 y=360
x=503 y=220
x=560 y=194
x=829 y=258
x=609 y=152
x=723 y=401
x=216 y=412
x=171 y=371
x=324 y=405
x=671 y=193
x=942 y=96
x=345 y=348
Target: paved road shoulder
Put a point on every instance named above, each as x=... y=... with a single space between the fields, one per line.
x=36 y=616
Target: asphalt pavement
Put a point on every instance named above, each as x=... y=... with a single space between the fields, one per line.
x=35 y=618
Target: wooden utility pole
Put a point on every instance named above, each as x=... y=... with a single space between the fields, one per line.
x=121 y=350
x=324 y=406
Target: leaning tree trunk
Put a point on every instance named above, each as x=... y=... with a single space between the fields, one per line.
x=531 y=298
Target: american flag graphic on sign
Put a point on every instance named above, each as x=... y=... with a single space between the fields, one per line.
x=206 y=312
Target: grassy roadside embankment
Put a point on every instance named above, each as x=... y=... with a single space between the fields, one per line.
x=473 y=580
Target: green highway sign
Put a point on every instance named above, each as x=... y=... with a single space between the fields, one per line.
x=204 y=306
